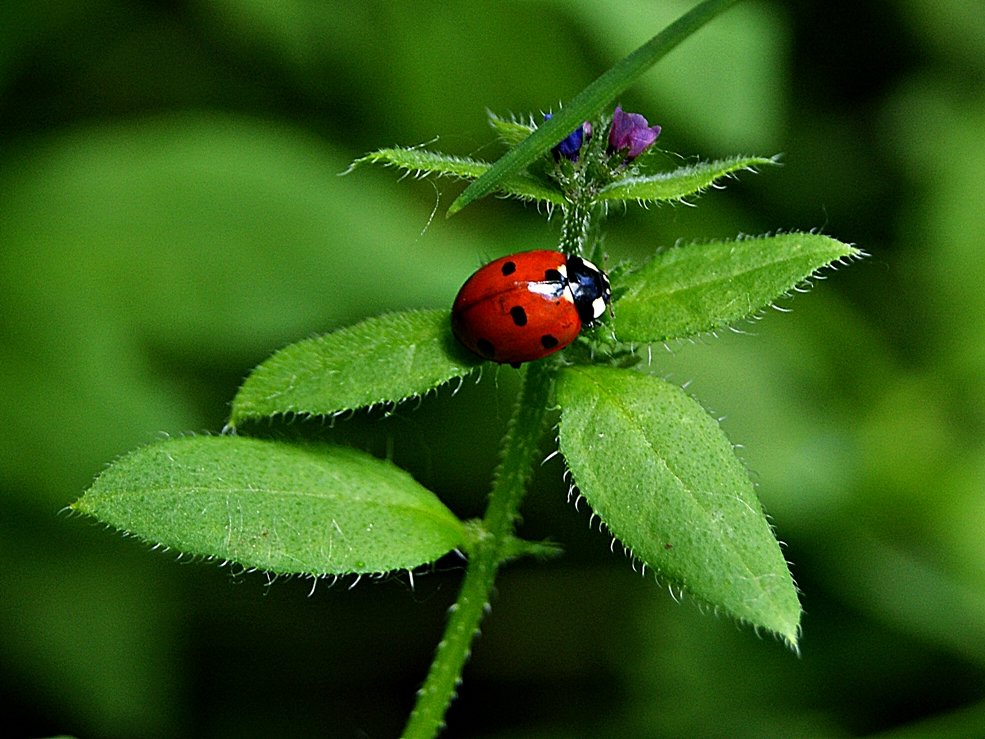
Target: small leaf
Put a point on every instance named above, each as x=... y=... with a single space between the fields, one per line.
x=680 y=183
x=701 y=287
x=421 y=162
x=511 y=131
x=586 y=104
x=380 y=360
x=662 y=476
x=283 y=508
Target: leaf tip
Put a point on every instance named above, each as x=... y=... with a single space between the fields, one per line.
x=456 y=206
x=791 y=637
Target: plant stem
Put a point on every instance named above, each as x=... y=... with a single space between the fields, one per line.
x=576 y=225
x=520 y=446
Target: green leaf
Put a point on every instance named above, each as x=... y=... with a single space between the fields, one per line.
x=314 y=510
x=681 y=182
x=702 y=287
x=421 y=162
x=511 y=131
x=662 y=476
x=380 y=360
x=590 y=101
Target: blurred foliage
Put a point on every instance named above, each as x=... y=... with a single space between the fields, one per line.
x=170 y=214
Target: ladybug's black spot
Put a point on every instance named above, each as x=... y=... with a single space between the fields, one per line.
x=548 y=342
x=508 y=268
x=486 y=348
x=552 y=275
x=519 y=315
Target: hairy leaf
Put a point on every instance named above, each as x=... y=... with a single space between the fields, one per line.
x=422 y=162
x=661 y=474
x=272 y=506
x=380 y=360
x=681 y=182
x=701 y=287
x=511 y=131
x=590 y=101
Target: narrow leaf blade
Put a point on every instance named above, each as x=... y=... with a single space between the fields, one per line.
x=589 y=101
x=287 y=509
x=662 y=476
x=681 y=182
x=695 y=288
x=384 y=359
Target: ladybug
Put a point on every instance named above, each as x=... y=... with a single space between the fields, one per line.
x=525 y=306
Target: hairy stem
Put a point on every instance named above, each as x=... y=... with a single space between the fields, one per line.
x=576 y=226
x=520 y=446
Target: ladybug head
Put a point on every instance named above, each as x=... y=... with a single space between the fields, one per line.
x=590 y=287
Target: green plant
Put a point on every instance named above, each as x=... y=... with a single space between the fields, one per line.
x=653 y=465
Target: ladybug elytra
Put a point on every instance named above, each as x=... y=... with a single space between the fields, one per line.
x=526 y=306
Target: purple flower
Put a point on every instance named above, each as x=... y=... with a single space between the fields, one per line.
x=630 y=132
x=571 y=145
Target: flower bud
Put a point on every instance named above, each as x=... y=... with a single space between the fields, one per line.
x=631 y=133
x=570 y=147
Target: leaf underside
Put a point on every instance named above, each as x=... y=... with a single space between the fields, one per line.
x=662 y=476
x=286 y=509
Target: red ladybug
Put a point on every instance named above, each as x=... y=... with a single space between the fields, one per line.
x=525 y=306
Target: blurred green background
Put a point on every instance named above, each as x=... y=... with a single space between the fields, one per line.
x=171 y=213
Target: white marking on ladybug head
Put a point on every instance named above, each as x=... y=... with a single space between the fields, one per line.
x=585 y=263
x=598 y=307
